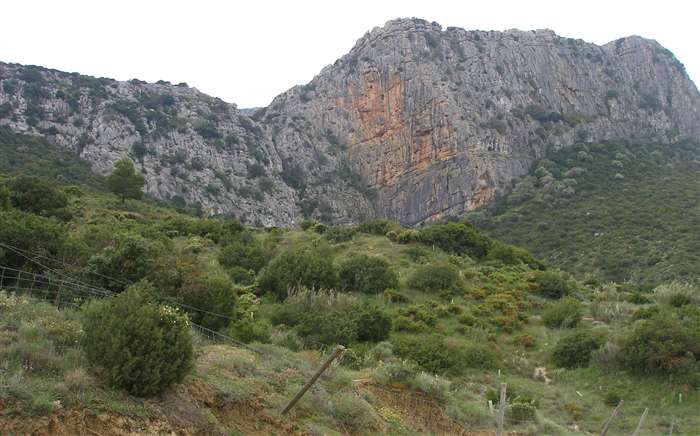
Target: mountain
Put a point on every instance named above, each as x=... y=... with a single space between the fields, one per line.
x=415 y=124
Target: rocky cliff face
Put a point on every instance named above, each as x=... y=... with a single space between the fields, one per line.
x=414 y=124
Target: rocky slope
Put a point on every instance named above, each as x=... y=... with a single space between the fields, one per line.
x=414 y=124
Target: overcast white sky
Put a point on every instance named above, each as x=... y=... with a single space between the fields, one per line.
x=247 y=52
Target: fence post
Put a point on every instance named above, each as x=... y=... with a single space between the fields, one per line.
x=501 y=410
x=610 y=420
x=641 y=422
x=313 y=379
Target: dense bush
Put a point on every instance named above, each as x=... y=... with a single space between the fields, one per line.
x=328 y=328
x=662 y=344
x=553 y=284
x=250 y=330
x=249 y=256
x=434 y=354
x=338 y=234
x=328 y=318
x=435 y=277
x=136 y=344
x=377 y=227
x=300 y=267
x=564 y=313
x=373 y=324
x=575 y=349
x=367 y=274
x=32 y=233
x=457 y=238
x=130 y=258
x=37 y=196
x=510 y=255
x=211 y=299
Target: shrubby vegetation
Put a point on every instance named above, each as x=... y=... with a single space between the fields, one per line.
x=370 y=275
x=137 y=344
x=296 y=268
x=583 y=208
x=442 y=309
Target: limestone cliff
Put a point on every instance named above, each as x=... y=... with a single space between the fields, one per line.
x=414 y=124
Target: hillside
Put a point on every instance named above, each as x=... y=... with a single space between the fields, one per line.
x=414 y=124
x=434 y=319
x=613 y=211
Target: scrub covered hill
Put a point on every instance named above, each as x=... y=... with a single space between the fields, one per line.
x=434 y=319
x=611 y=211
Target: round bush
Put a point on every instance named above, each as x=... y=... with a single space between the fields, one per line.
x=661 y=345
x=367 y=274
x=435 y=277
x=575 y=349
x=552 y=284
x=297 y=268
x=247 y=256
x=373 y=324
x=328 y=328
x=137 y=344
x=456 y=238
x=211 y=297
x=565 y=313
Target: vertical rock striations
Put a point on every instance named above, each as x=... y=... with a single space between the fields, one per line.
x=414 y=124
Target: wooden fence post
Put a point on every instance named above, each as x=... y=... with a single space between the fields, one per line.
x=313 y=379
x=501 y=410
x=610 y=420
x=641 y=422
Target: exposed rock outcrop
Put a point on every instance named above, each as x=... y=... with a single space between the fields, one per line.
x=414 y=124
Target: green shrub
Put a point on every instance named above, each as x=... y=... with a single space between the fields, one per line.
x=417 y=253
x=37 y=196
x=553 y=284
x=367 y=274
x=296 y=268
x=31 y=233
x=5 y=198
x=210 y=299
x=575 y=349
x=250 y=330
x=431 y=353
x=662 y=344
x=249 y=256
x=373 y=324
x=406 y=236
x=130 y=258
x=510 y=255
x=377 y=227
x=456 y=238
x=136 y=344
x=435 y=277
x=612 y=399
x=438 y=356
x=564 y=313
x=338 y=234
x=328 y=328
x=521 y=412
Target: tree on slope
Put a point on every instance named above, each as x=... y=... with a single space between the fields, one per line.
x=125 y=181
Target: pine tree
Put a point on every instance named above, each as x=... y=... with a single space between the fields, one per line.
x=125 y=181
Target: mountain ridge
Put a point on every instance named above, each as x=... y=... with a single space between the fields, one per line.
x=414 y=124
